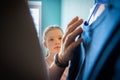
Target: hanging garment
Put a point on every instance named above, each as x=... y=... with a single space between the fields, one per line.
x=98 y=56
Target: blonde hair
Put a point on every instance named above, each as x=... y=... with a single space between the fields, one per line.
x=49 y=28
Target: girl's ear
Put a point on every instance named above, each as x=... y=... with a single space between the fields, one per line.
x=44 y=43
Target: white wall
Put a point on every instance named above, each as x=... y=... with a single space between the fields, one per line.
x=72 y=8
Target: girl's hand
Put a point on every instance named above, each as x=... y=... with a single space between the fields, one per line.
x=68 y=42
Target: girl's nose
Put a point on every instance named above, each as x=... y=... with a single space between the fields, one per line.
x=57 y=42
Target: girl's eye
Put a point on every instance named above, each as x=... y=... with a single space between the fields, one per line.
x=51 y=39
x=60 y=38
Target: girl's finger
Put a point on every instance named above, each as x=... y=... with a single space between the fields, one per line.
x=71 y=37
x=74 y=25
x=76 y=43
x=74 y=19
x=72 y=28
x=72 y=46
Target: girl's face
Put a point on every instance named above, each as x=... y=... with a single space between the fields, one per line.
x=53 y=40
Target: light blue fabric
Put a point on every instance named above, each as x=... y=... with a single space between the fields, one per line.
x=98 y=37
x=99 y=40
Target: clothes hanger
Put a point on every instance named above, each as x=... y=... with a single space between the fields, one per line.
x=95 y=8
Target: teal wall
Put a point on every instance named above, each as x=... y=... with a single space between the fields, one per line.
x=51 y=13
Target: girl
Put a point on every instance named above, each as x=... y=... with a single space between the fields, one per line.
x=52 y=42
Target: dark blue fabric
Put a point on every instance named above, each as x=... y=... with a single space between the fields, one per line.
x=74 y=68
x=102 y=1
x=117 y=68
x=98 y=55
